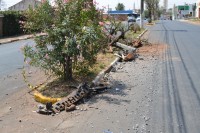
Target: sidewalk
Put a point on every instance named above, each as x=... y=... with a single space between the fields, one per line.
x=17 y=38
x=14 y=38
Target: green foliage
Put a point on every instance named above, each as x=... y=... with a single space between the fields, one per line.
x=153 y=7
x=11 y=23
x=120 y=6
x=146 y=13
x=72 y=40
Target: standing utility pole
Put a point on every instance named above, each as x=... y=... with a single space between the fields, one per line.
x=141 y=13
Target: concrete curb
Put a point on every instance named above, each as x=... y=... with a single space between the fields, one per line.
x=142 y=33
x=18 y=39
x=15 y=39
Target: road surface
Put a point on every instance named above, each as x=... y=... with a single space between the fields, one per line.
x=178 y=108
x=11 y=64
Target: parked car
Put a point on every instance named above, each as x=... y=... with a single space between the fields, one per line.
x=131 y=19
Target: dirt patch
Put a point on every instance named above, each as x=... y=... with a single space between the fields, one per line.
x=152 y=49
x=58 y=88
x=196 y=22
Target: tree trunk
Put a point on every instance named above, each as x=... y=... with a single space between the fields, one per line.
x=67 y=68
x=150 y=15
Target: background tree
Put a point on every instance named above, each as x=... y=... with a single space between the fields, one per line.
x=120 y=6
x=152 y=7
x=72 y=38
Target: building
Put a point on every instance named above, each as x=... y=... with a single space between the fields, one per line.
x=185 y=11
x=120 y=15
x=198 y=9
x=24 y=5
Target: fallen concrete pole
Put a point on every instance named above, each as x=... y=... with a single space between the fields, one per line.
x=125 y=47
x=95 y=82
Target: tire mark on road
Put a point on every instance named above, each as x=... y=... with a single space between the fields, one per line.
x=176 y=95
x=187 y=72
x=166 y=90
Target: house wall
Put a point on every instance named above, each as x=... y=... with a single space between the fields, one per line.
x=1 y=25
x=24 y=5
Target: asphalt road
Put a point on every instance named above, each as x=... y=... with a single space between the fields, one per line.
x=11 y=64
x=11 y=56
x=179 y=105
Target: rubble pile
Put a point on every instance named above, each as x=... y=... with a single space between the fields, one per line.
x=69 y=103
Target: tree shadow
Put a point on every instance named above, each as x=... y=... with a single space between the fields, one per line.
x=115 y=95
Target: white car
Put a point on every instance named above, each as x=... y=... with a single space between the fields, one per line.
x=138 y=19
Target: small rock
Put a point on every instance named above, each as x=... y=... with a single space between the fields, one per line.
x=10 y=108
x=20 y=120
x=136 y=125
x=70 y=108
x=40 y=106
x=107 y=131
x=29 y=72
x=117 y=89
x=77 y=108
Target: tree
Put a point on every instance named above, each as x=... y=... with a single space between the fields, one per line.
x=72 y=38
x=120 y=6
x=152 y=7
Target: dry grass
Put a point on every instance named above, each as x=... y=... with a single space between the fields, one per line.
x=131 y=35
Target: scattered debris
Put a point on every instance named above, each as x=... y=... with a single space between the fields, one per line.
x=70 y=108
x=69 y=103
x=126 y=56
x=137 y=43
x=107 y=131
x=40 y=106
x=128 y=52
x=117 y=89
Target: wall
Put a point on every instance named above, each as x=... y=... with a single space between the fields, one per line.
x=1 y=25
x=23 y=5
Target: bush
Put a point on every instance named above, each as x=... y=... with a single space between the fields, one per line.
x=11 y=23
x=73 y=37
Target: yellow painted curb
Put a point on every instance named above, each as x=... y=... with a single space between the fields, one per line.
x=44 y=99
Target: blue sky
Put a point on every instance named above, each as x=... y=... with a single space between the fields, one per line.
x=112 y=3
